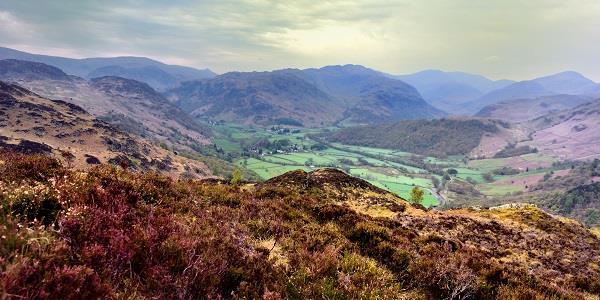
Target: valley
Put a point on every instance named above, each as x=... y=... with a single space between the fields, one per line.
x=290 y=150
x=270 y=152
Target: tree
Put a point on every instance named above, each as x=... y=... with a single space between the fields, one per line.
x=416 y=195
x=309 y=162
x=236 y=176
x=488 y=177
x=436 y=183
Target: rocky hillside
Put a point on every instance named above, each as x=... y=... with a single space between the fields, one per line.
x=109 y=233
x=311 y=97
x=30 y=123
x=129 y=104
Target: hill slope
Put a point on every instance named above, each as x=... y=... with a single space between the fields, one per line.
x=300 y=236
x=260 y=97
x=569 y=134
x=156 y=74
x=32 y=124
x=436 y=137
x=132 y=105
x=519 y=110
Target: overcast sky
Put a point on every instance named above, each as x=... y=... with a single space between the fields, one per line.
x=497 y=38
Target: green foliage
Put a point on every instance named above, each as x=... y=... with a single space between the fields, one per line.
x=288 y=121
x=582 y=202
x=488 y=177
x=506 y=171
x=426 y=137
x=236 y=176
x=416 y=195
x=512 y=150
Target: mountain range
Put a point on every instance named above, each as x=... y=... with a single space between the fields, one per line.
x=465 y=94
x=448 y=90
x=564 y=83
x=158 y=75
x=334 y=94
x=311 y=97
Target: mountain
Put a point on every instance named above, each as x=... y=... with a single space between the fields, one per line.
x=311 y=97
x=30 y=123
x=12 y=68
x=370 y=96
x=132 y=105
x=111 y=233
x=518 y=90
x=258 y=97
x=571 y=83
x=440 y=137
x=519 y=110
x=448 y=90
x=158 y=75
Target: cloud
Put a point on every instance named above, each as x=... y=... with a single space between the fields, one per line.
x=532 y=37
x=13 y=29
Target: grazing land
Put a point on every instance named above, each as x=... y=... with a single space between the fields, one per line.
x=272 y=151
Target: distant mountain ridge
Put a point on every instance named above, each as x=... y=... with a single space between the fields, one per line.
x=449 y=90
x=567 y=83
x=158 y=75
x=313 y=97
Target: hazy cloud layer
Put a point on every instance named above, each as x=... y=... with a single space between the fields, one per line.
x=503 y=38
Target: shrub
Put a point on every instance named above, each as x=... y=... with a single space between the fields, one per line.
x=17 y=167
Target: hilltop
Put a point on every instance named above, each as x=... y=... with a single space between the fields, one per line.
x=110 y=233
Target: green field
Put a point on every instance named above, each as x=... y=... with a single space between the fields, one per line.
x=385 y=168
x=372 y=165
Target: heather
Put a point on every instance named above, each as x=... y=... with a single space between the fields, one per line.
x=112 y=233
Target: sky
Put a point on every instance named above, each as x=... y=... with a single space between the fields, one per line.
x=496 y=38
